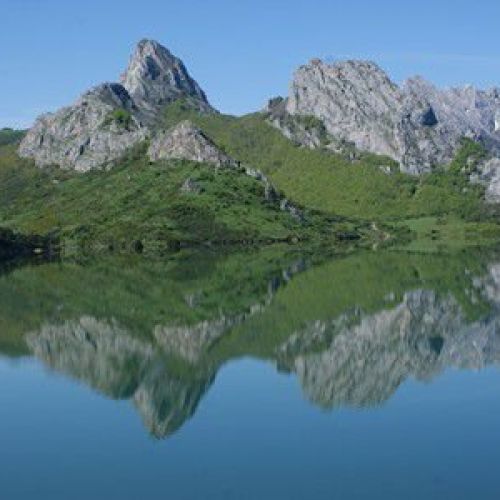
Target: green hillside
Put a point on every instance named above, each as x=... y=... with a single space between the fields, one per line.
x=325 y=181
x=142 y=206
x=10 y=136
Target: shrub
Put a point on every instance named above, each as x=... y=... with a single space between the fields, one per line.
x=120 y=116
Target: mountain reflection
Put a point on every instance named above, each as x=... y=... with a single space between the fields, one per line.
x=352 y=329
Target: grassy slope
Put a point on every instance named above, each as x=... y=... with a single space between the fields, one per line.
x=329 y=182
x=138 y=201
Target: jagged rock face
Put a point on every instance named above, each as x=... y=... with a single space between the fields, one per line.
x=355 y=100
x=86 y=135
x=416 y=124
x=185 y=141
x=105 y=122
x=461 y=112
x=155 y=78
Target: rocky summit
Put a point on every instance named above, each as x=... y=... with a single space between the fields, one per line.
x=416 y=124
x=109 y=119
x=155 y=78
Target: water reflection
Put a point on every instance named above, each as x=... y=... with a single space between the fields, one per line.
x=352 y=329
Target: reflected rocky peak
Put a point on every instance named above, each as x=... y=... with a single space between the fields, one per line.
x=109 y=359
x=348 y=344
x=366 y=357
x=164 y=372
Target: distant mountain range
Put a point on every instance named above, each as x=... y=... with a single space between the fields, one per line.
x=354 y=102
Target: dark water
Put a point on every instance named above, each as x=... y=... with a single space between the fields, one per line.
x=253 y=375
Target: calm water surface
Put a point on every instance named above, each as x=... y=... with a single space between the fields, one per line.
x=253 y=375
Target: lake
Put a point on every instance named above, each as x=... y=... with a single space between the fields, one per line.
x=270 y=374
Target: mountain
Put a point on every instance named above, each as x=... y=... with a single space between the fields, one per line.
x=416 y=124
x=177 y=171
x=111 y=118
x=346 y=106
x=155 y=77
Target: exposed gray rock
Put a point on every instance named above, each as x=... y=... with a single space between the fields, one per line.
x=299 y=129
x=155 y=78
x=272 y=195
x=417 y=124
x=86 y=135
x=461 y=112
x=109 y=119
x=191 y=186
x=489 y=176
x=355 y=100
x=185 y=141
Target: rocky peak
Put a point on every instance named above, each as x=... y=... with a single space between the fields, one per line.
x=355 y=100
x=155 y=77
x=416 y=124
x=109 y=119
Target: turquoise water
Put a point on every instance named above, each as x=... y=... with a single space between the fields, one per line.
x=266 y=375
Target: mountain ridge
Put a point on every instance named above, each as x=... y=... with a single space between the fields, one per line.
x=355 y=104
x=417 y=124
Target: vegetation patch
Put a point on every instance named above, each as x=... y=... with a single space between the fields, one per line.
x=10 y=136
x=366 y=188
x=120 y=116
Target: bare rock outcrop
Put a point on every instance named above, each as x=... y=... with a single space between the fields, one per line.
x=99 y=128
x=185 y=141
x=416 y=124
x=488 y=174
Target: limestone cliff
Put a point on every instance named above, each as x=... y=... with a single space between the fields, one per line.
x=416 y=124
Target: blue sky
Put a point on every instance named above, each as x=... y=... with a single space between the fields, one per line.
x=241 y=52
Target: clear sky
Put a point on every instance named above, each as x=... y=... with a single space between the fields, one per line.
x=240 y=51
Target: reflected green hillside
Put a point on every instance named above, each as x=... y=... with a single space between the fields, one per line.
x=156 y=332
